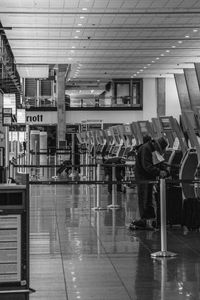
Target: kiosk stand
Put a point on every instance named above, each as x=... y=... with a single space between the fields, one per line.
x=14 y=240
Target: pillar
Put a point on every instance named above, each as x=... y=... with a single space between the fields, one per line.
x=60 y=88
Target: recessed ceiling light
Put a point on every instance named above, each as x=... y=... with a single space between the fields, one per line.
x=137 y=72
x=180 y=42
x=195 y=30
x=153 y=61
x=77 y=31
x=141 y=70
x=84 y=8
x=157 y=58
x=148 y=65
x=76 y=37
x=144 y=67
x=69 y=58
x=134 y=74
x=73 y=47
x=173 y=46
x=82 y=17
x=162 y=54
x=167 y=51
x=80 y=24
x=187 y=36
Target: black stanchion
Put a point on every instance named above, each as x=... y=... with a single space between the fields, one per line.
x=113 y=205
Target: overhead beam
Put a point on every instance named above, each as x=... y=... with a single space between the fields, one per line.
x=97 y=27
x=135 y=12
x=105 y=39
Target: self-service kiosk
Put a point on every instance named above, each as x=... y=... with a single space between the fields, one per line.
x=14 y=241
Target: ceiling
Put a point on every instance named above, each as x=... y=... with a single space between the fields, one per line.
x=103 y=39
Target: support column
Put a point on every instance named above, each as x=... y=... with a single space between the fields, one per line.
x=182 y=90
x=193 y=87
x=61 y=129
x=161 y=96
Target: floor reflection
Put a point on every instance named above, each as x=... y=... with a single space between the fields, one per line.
x=82 y=253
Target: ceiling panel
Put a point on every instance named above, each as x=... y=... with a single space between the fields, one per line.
x=126 y=35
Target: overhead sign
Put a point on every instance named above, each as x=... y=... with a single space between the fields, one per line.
x=9 y=101
x=7 y=116
x=21 y=116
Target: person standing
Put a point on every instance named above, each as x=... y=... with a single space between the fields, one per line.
x=146 y=168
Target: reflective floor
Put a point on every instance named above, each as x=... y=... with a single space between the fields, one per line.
x=81 y=253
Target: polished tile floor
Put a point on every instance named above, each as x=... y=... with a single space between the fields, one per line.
x=77 y=252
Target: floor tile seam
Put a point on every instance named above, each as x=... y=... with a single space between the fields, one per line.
x=185 y=243
x=110 y=260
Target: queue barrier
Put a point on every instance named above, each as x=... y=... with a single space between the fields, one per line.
x=162 y=183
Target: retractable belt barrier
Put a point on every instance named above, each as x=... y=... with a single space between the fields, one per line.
x=162 y=183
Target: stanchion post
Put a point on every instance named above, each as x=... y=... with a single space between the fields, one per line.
x=98 y=207
x=163 y=229
x=55 y=160
x=113 y=205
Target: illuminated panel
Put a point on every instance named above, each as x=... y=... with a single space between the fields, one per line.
x=21 y=116
x=165 y=124
x=143 y=127
x=9 y=101
x=127 y=128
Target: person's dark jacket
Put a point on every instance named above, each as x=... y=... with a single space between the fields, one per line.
x=144 y=167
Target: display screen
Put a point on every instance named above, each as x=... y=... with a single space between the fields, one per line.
x=165 y=123
x=143 y=127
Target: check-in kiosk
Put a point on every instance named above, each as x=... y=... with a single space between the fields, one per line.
x=177 y=143
x=156 y=127
x=14 y=241
x=101 y=144
x=117 y=142
x=191 y=160
x=110 y=142
x=144 y=128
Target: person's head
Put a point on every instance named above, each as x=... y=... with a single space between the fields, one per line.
x=161 y=145
x=146 y=138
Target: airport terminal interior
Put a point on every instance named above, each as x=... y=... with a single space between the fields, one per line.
x=100 y=114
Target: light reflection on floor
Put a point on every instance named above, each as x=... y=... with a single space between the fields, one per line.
x=80 y=253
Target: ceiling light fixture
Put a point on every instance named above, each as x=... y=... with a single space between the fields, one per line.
x=82 y=17
x=77 y=31
x=180 y=42
x=84 y=8
x=173 y=46
x=76 y=37
x=80 y=24
x=167 y=51
x=195 y=30
x=187 y=36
